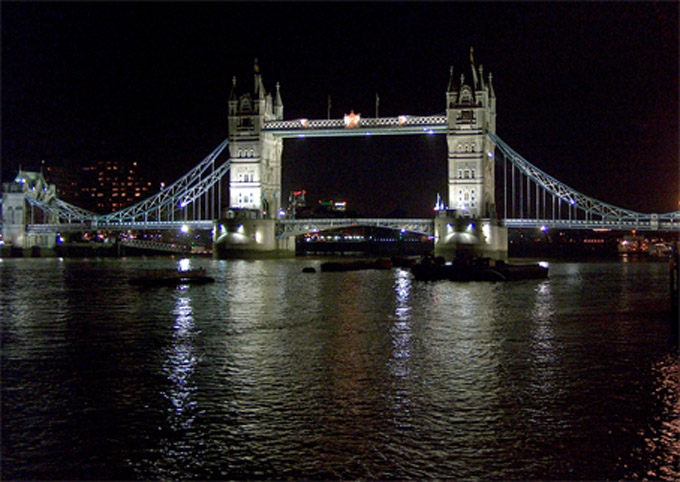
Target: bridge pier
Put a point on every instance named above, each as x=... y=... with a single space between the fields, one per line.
x=15 y=214
x=467 y=236
x=248 y=236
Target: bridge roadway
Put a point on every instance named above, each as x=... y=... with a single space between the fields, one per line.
x=672 y=224
x=284 y=227
x=293 y=227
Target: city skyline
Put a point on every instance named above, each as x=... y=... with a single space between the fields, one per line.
x=587 y=92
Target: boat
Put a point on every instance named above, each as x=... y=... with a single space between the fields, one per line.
x=660 y=250
x=356 y=265
x=476 y=269
x=171 y=277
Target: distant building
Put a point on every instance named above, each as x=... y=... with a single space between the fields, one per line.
x=89 y=187
x=68 y=180
x=118 y=185
x=105 y=186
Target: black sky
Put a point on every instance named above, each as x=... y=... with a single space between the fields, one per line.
x=586 y=91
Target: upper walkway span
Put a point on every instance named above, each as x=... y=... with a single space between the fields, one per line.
x=355 y=126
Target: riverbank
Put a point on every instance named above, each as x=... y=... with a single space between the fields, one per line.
x=85 y=250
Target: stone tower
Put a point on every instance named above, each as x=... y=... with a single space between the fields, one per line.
x=255 y=174
x=468 y=225
x=471 y=113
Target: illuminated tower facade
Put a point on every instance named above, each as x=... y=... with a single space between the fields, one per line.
x=471 y=113
x=255 y=173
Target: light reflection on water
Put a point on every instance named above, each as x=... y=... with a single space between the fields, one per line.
x=272 y=373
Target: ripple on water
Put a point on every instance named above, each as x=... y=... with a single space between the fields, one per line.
x=271 y=374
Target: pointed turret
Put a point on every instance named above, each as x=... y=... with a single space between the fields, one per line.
x=233 y=99
x=232 y=94
x=278 y=103
x=492 y=94
x=451 y=86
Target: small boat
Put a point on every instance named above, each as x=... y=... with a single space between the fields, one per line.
x=356 y=265
x=476 y=269
x=171 y=277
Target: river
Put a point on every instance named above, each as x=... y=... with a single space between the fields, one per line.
x=271 y=373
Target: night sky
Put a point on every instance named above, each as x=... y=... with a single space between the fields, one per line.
x=587 y=92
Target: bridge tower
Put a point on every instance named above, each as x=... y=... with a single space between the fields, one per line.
x=471 y=114
x=255 y=174
x=470 y=222
x=249 y=224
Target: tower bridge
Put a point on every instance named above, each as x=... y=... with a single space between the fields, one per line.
x=475 y=214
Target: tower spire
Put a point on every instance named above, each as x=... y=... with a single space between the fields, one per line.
x=450 y=89
x=278 y=101
x=232 y=95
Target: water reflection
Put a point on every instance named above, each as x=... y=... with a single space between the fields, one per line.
x=661 y=438
x=543 y=352
x=542 y=314
x=179 y=367
x=401 y=328
x=400 y=363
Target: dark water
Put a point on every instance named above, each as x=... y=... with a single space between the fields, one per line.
x=272 y=373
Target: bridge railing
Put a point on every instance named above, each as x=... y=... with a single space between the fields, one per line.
x=622 y=225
